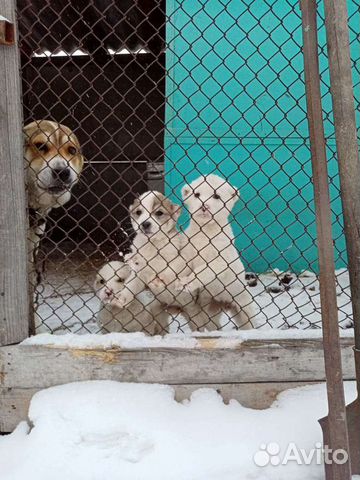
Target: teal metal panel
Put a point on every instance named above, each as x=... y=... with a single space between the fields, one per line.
x=236 y=106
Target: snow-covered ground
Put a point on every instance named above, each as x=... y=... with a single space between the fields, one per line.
x=282 y=300
x=139 y=432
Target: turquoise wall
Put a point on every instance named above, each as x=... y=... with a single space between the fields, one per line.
x=236 y=106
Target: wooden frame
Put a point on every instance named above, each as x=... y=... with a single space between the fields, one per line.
x=14 y=313
x=251 y=371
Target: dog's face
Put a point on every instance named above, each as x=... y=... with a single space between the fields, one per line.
x=152 y=212
x=54 y=162
x=110 y=280
x=210 y=198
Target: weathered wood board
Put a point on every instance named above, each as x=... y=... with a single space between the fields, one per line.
x=14 y=325
x=252 y=372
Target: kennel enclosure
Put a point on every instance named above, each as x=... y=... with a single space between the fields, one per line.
x=251 y=367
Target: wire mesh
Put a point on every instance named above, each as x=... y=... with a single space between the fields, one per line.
x=202 y=101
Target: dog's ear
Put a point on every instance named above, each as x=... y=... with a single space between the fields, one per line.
x=186 y=191
x=135 y=204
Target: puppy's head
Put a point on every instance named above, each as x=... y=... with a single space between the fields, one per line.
x=152 y=212
x=110 y=280
x=210 y=198
x=54 y=162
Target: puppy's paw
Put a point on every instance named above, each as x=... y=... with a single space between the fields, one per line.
x=188 y=283
x=156 y=284
x=123 y=299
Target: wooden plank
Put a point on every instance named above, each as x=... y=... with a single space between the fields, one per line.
x=253 y=371
x=13 y=256
x=14 y=402
x=248 y=362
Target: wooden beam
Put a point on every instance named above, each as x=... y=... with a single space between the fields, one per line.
x=13 y=251
x=250 y=361
x=252 y=372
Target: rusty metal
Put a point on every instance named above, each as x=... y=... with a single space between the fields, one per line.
x=342 y=92
x=7 y=32
x=334 y=426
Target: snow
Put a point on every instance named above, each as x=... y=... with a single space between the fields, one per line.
x=111 y=340
x=69 y=304
x=297 y=304
x=139 y=340
x=125 y=431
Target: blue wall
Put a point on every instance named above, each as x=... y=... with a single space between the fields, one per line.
x=236 y=106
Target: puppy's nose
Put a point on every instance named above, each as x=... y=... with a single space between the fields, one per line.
x=204 y=208
x=146 y=225
x=62 y=174
x=108 y=292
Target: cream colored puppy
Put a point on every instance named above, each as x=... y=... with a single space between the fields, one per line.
x=147 y=315
x=159 y=254
x=217 y=271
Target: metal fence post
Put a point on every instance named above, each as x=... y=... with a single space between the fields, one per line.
x=14 y=319
x=337 y=34
x=346 y=139
x=334 y=426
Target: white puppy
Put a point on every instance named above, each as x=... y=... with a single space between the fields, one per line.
x=217 y=271
x=147 y=315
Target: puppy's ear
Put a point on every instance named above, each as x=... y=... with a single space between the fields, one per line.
x=186 y=191
x=135 y=204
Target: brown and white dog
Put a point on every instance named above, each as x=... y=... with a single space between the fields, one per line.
x=54 y=163
x=53 y=166
x=160 y=251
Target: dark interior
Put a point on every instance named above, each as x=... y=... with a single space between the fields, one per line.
x=114 y=103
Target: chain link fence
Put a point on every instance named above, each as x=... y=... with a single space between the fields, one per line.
x=202 y=103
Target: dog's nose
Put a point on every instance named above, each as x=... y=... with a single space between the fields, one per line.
x=108 y=292
x=62 y=174
x=146 y=225
x=204 y=208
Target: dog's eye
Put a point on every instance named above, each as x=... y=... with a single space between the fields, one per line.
x=102 y=281
x=42 y=147
x=119 y=280
x=138 y=212
x=197 y=195
x=159 y=213
x=72 y=150
x=216 y=196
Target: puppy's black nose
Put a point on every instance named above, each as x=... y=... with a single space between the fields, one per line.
x=146 y=225
x=62 y=174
